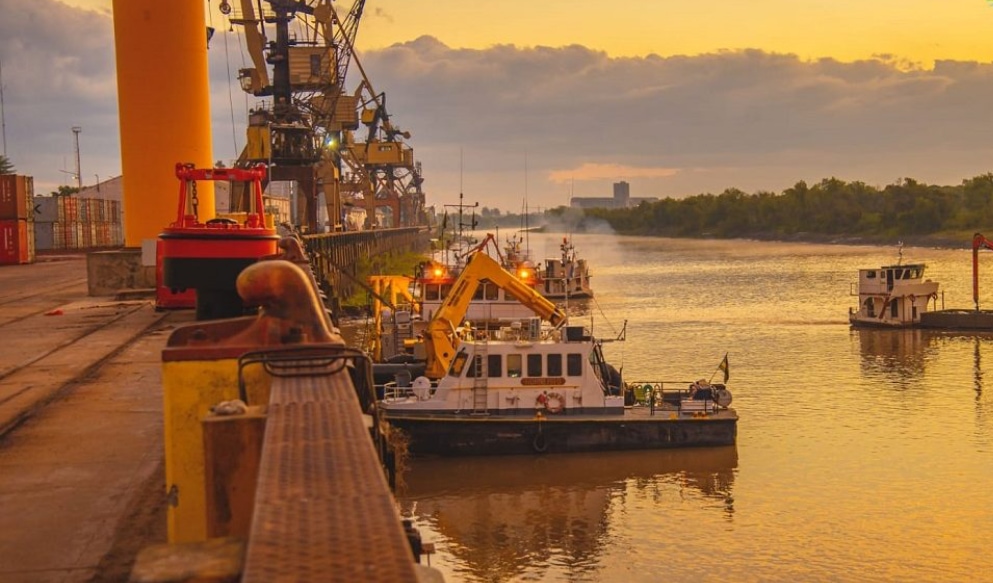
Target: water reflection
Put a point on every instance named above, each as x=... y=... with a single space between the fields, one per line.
x=499 y=518
x=900 y=351
x=977 y=368
x=906 y=353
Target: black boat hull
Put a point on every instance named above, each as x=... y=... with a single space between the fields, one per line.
x=512 y=435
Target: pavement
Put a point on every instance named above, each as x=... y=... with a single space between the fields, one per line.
x=81 y=445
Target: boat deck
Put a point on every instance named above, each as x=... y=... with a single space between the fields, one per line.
x=962 y=320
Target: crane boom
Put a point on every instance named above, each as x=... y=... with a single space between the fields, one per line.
x=978 y=240
x=441 y=338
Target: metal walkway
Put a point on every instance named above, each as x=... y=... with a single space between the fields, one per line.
x=323 y=509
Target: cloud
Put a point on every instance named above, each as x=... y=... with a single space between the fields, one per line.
x=58 y=72
x=680 y=125
x=504 y=122
x=384 y=15
x=590 y=171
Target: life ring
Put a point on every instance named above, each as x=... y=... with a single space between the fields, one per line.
x=554 y=402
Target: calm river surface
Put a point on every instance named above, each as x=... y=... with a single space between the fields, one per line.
x=861 y=455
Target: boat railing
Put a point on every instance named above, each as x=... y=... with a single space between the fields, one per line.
x=420 y=389
x=690 y=397
x=393 y=390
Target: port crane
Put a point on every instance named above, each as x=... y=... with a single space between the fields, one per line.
x=441 y=338
x=306 y=132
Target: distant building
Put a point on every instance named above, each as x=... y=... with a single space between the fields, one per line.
x=109 y=189
x=621 y=199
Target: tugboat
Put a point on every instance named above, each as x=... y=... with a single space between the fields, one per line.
x=529 y=388
x=568 y=277
x=892 y=296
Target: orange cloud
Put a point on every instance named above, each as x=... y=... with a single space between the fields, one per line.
x=590 y=171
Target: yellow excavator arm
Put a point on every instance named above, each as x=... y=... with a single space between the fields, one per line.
x=441 y=339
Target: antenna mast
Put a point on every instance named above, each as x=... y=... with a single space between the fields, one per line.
x=527 y=229
x=3 y=117
x=79 y=174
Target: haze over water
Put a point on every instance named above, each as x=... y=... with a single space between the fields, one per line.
x=862 y=455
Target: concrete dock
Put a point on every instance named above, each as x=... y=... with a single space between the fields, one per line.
x=81 y=452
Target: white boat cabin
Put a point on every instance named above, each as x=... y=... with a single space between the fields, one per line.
x=515 y=371
x=490 y=304
x=892 y=296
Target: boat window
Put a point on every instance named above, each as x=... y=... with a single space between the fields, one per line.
x=494 y=368
x=574 y=365
x=431 y=292
x=458 y=363
x=895 y=309
x=534 y=365
x=554 y=365
x=486 y=290
x=476 y=368
x=514 y=366
x=870 y=275
x=445 y=290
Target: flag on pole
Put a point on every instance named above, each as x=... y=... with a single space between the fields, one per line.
x=723 y=366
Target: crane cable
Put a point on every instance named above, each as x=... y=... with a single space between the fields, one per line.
x=227 y=65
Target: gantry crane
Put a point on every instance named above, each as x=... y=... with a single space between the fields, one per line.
x=307 y=132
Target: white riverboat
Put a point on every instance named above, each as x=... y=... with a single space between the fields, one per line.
x=528 y=387
x=892 y=296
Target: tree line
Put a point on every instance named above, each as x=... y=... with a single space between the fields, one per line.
x=831 y=208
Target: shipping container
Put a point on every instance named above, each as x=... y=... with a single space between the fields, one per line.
x=16 y=242
x=44 y=236
x=70 y=207
x=32 y=245
x=71 y=240
x=58 y=236
x=46 y=209
x=16 y=194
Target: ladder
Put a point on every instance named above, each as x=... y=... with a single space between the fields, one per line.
x=480 y=379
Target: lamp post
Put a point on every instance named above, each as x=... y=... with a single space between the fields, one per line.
x=79 y=175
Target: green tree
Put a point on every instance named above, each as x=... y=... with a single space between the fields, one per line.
x=65 y=191
x=6 y=166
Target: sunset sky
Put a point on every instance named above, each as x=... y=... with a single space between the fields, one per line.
x=677 y=97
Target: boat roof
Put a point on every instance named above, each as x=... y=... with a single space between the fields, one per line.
x=899 y=266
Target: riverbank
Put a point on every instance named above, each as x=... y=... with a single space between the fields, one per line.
x=937 y=241
x=949 y=240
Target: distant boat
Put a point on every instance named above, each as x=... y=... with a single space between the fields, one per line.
x=566 y=277
x=892 y=296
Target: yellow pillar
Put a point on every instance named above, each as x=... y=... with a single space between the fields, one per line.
x=164 y=104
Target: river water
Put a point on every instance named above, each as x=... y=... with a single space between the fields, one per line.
x=862 y=455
